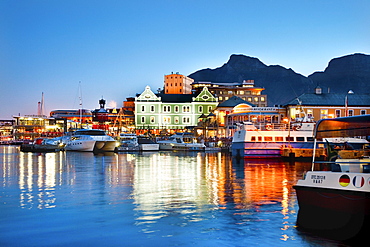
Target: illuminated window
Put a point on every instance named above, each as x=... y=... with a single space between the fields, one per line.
x=260 y=138
x=268 y=138
x=177 y=120
x=279 y=139
x=152 y=119
x=186 y=108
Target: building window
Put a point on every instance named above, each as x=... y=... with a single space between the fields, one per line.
x=255 y=99
x=177 y=108
x=152 y=119
x=166 y=120
x=262 y=99
x=241 y=92
x=166 y=108
x=337 y=113
x=186 y=108
x=350 y=113
x=152 y=108
x=220 y=98
x=200 y=109
x=177 y=120
x=143 y=108
x=363 y=112
x=250 y=99
x=142 y=120
x=324 y=113
x=186 y=120
x=209 y=109
x=309 y=113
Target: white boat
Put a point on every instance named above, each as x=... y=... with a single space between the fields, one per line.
x=181 y=141
x=128 y=142
x=335 y=200
x=147 y=144
x=90 y=140
x=269 y=140
x=132 y=142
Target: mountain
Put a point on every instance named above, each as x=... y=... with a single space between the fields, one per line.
x=345 y=73
x=282 y=84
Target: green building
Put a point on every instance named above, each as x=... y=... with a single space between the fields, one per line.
x=171 y=112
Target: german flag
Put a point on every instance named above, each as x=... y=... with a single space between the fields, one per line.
x=344 y=180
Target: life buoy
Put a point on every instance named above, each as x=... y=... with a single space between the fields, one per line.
x=296 y=127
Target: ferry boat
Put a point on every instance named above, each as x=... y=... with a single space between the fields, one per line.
x=90 y=140
x=335 y=200
x=181 y=141
x=270 y=140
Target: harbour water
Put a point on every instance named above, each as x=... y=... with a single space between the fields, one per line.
x=148 y=199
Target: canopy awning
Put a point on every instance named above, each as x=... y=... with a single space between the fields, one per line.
x=343 y=127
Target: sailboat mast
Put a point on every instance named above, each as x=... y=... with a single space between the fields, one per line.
x=80 y=97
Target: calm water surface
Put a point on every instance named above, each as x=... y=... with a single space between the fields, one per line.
x=148 y=199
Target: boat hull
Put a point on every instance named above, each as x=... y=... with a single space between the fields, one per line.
x=182 y=146
x=264 y=150
x=340 y=213
x=91 y=146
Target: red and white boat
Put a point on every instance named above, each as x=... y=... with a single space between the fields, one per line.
x=335 y=200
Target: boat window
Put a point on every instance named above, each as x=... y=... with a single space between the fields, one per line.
x=310 y=139
x=279 y=139
x=91 y=133
x=300 y=139
x=253 y=138
x=289 y=139
x=260 y=138
x=268 y=138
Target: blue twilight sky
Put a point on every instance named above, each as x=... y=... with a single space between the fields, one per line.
x=116 y=48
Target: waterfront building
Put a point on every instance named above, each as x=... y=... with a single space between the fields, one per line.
x=6 y=129
x=319 y=105
x=171 y=112
x=74 y=117
x=177 y=84
x=30 y=127
x=224 y=91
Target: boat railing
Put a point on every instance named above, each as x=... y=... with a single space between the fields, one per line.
x=273 y=126
x=344 y=165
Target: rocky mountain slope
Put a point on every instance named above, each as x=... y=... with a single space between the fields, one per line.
x=350 y=72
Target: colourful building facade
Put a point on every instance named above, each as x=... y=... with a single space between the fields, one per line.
x=171 y=112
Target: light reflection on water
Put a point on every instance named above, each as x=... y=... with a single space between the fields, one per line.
x=202 y=199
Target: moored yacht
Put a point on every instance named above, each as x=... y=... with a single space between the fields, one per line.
x=181 y=141
x=90 y=140
x=335 y=200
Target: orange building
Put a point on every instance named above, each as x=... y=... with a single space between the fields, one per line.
x=177 y=84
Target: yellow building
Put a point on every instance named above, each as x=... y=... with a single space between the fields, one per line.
x=177 y=84
x=321 y=105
